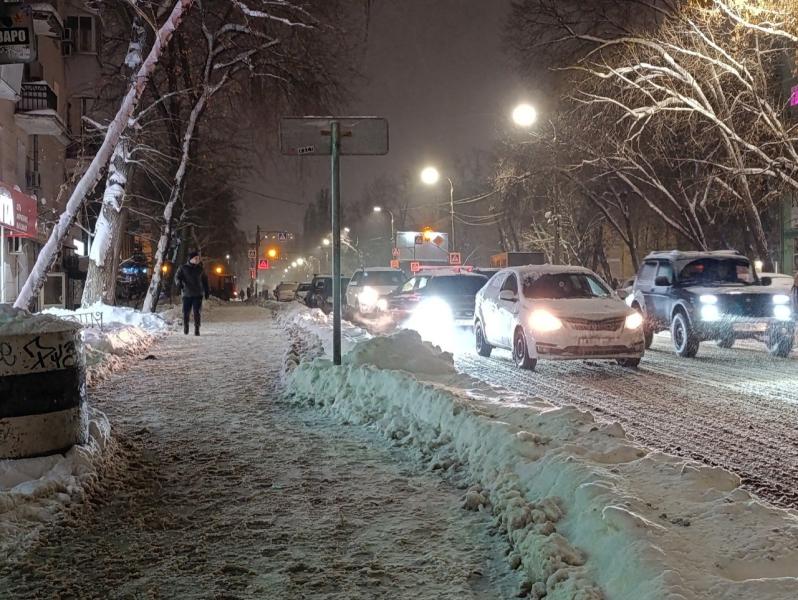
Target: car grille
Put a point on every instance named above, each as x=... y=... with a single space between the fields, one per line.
x=746 y=305
x=613 y=324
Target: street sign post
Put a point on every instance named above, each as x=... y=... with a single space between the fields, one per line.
x=334 y=137
x=394 y=264
x=17 y=37
x=263 y=265
x=415 y=267
x=454 y=258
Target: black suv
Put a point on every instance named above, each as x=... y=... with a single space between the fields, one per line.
x=717 y=296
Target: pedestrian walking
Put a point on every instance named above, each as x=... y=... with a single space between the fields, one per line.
x=193 y=285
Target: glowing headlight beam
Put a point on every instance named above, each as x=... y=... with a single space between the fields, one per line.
x=634 y=321
x=543 y=321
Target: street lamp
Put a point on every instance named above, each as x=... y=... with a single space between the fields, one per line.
x=525 y=115
x=379 y=209
x=430 y=176
x=227 y=256
x=300 y=261
x=326 y=241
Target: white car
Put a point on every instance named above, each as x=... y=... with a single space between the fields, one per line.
x=368 y=287
x=556 y=312
x=285 y=291
x=779 y=281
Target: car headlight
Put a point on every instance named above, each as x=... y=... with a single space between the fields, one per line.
x=634 y=321
x=542 y=320
x=710 y=312
x=782 y=312
x=708 y=299
x=368 y=297
x=382 y=304
x=781 y=299
x=433 y=309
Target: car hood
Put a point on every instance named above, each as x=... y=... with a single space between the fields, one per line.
x=700 y=290
x=585 y=308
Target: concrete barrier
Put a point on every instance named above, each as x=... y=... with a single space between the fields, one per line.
x=42 y=391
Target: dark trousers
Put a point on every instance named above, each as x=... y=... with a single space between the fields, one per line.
x=192 y=303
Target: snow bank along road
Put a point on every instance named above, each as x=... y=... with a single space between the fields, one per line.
x=734 y=408
x=217 y=490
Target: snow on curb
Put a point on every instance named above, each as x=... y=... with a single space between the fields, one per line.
x=588 y=513
x=35 y=491
x=125 y=333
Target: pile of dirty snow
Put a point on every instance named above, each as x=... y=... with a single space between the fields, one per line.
x=587 y=512
x=125 y=333
x=35 y=491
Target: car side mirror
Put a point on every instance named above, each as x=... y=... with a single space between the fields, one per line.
x=508 y=295
x=766 y=280
x=662 y=281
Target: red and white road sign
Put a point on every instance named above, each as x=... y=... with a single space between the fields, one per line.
x=395 y=252
x=415 y=267
x=394 y=264
x=454 y=258
x=263 y=264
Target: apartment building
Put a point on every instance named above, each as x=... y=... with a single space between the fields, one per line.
x=41 y=106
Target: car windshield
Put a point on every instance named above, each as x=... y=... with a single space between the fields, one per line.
x=559 y=286
x=382 y=278
x=709 y=271
x=456 y=285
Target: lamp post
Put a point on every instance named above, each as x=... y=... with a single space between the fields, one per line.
x=430 y=176
x=378 y=209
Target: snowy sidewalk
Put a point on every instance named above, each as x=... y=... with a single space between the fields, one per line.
x=218 y=490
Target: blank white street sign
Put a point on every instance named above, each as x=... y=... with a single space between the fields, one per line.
x=360 y=136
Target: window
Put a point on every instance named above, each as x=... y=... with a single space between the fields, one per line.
x=665 y=270
x=409 y=285
x=511 y=284
x=82 y=33
x=496 y=280
x=456 y=285
x=556 y=286
x=647 y=271
x=382 y=278
x=356 y=278
x=707 y=271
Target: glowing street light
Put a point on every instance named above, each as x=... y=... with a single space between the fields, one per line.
x=379 y=209
x=293 y=264
x=326 y=241
x=218 y=270
x=430 y=175
x=300 y=261
x=525 y=115
x=227 y=256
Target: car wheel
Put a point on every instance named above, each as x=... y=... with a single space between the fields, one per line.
x=780 y=344
x=684 y=339
x=648 y=337
x=483 y=347
x=727 y=341
x=630 y=363
x=520 y=353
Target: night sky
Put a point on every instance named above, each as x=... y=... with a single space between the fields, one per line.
x=436 y=70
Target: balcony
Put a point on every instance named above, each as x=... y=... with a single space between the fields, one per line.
x=37 y=112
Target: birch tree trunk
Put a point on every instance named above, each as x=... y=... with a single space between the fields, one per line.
x=104 y=255
x=49 y=252
x=154 y=289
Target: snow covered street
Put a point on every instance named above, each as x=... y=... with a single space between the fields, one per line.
x=735 y=408
x=215 y=488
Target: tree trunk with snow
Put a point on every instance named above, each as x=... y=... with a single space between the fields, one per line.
x=104 y=255
x=49 y=252
x=154 y=289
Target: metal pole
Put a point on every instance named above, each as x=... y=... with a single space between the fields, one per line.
x=452 y=246
x=257 y=258
x=393 y=234
x=556 y=254
x=2 y=265
x=336 y=245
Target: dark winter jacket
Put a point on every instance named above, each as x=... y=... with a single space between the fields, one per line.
x=192 y=281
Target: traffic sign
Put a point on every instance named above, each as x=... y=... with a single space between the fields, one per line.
x=395 y=252
x=282 y=236
x=251 y=254
x=263 y=264
x=454 y=258
x=415 y=267
x=395 y=264
x=301 y=136
x=17 y=36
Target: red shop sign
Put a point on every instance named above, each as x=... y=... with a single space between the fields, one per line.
x=17 y=211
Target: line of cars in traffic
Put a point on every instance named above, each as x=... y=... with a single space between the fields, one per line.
x=565 y=312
